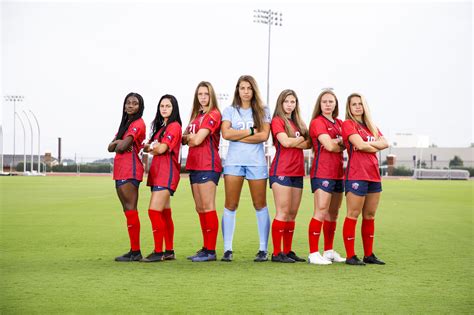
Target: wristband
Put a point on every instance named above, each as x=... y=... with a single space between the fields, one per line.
x=252 y=131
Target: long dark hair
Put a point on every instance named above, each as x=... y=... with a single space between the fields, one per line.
x=158 y=122
x=256 y=103
x=126 y=120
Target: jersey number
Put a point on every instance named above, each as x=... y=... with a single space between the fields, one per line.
x=244 y=125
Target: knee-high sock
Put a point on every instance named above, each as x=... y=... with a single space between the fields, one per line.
x=278 y=227
x=288 y=236
x=368 y=230
x=228 y=227
x=133 y=226
x=314 y=231
x=348 y=232
x=329 y=229
x=158 y=227
x=169 y=232
x=202 y=221
x=263 y=222
x=212 y=229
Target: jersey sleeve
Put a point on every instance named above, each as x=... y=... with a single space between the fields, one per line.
x=172 y=136
x=211 y=121
x=227 y=114
x=135 y=130
x=320 y=128
x=267 y=118
x=348 y=128
x=277 y=126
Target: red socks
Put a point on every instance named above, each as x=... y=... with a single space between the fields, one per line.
x=158 y=228
x=329 y=229
x=314 y=232
x=288 y=236
x=348 y=232
x=202 y=221
x=133 y=226
x=210 y=228
x=368 y=236
x=278 y=228
x=169 y=229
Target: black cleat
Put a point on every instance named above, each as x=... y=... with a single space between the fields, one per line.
x=372 y=259
x=355 y=261
x=261 y=256
x=169 y=255
x=227 y=256
x=293 y=256
x=130 y=256
x=154 y=257
x=197 y=253
x=281 y=257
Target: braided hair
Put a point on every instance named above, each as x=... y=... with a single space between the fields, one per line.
x=159 y=121
x=127 y=120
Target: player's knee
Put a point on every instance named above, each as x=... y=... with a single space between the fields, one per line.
x=259 y=205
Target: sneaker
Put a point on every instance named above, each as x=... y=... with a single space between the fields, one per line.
x=293 y=256
x=153 y=257
x=261 y=256
x=227 y=256
x=204 y=256
x=169 y=255
x=197 y=253
x=281 y=257
x=316 y=259
x=372 y=259
x=130 y=256
x=355 y=261
x=333 y=256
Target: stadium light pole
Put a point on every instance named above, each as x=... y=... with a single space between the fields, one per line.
x=14 y=99
x=39 y=133
x=24 y=142
x=269 y=18
x=31 y=137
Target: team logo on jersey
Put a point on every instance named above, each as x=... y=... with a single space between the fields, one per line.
x=134 y=129
x=211 y=122
x=281 y=177
x=355 y=186
x=325 y=183
x=170 y=137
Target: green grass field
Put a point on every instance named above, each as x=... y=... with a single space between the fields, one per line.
x=59 y=236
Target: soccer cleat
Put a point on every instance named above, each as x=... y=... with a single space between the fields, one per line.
x=355 y=261
x=169 y=255
x=153 y=257
x=316 y=259
x=204 y=256
x=281 y=257
x=130 y=256
x=261 y=256
x=333 y=256
x=372 y=259
x=197 y=253
x=227 y=256
x=293 y=256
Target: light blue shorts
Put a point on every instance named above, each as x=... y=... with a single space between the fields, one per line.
x=249 y=172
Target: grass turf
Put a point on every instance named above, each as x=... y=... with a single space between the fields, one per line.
x=59 y=236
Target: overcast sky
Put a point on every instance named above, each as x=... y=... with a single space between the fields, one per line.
x=75 y=62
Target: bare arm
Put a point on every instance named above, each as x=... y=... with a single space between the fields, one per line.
x=232 y=134
x=305 y=145
x=122 y=146
x=331 y=145
x=156 y=148
x=360 y=145
x=196 y=139
x=288 y=142
x=112 y=145
x=259 y=136
x=381 y=143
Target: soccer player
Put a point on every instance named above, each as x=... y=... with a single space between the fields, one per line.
x=362 y=178
x=326 y=177
x=290 y=137
x=246 y=124
x=202 y=136
x=163 y=178
x=128 y=169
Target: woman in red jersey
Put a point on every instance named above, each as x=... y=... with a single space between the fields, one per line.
x=326 y=177
x=362 y=178
x=128 y=169
x=290 y=137
x=163 y=178
x=202 y=136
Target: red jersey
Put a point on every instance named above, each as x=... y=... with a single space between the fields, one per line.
x=328 y=165
x=287 y=161
x=165 y=168
x=128 y=165
x=360 y=165
x=205 y=157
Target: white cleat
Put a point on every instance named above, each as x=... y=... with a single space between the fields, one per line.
x=317 y=259
x=333 y=256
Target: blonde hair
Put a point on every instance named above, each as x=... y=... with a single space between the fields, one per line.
x=212 y=100
x=256 y=102
x=317 y=107
x=295 y=115
x=366 y=117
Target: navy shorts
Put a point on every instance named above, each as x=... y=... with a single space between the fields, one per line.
x=200 y=177
x=290 y=181
x=327 y=185
x=159 y=188
x=362 y=187
x=121 y=182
